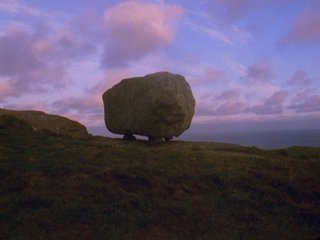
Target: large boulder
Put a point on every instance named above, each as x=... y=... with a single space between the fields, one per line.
x=40 y=121
x=159 y=105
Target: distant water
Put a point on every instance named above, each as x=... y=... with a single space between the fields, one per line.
x=261 y=139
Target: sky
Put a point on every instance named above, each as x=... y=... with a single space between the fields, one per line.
x=250 y=63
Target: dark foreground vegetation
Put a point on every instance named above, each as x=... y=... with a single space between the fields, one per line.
x=56 y=187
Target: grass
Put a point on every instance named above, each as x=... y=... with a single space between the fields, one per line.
x=56 y=187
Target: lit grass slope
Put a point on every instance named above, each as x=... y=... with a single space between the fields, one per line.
x=56 y=187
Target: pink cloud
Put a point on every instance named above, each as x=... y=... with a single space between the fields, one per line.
x=34 y=61
x=86 y=109
x=306 y=28
x=136 y=28
x=208 y=75
x=112 y=77
x=28 y=105
x=5 y=89
x=24 y=62
x=213 y=73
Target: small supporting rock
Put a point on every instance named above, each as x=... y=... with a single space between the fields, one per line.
x=155 y=140
x=168 y=139
x=129 y=136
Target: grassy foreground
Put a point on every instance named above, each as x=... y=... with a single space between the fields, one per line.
x=55 y=187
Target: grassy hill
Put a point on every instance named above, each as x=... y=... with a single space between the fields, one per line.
x=57 y=187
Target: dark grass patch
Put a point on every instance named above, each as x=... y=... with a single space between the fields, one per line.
x=55 y=187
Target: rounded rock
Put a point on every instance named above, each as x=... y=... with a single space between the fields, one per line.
x=159 y=105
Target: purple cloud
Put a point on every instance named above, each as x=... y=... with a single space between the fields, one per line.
x=70 y=47
x=300 y=77
x=273 y=105
x=16 y=53
x=306 y=28
x=261 y=71
x=231 y=103
x=204 y=109
x=223 y=104
x=230 y=108
x=91 y=101
x=89 y=107
x=45 y=48
x=227 y=11
x=229 y=95
x=70 y=104
x=306 y=103
x=23 y=62
x=35 y=58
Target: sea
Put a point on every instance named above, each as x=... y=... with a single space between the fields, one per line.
x=265 y=139
x=261 y=139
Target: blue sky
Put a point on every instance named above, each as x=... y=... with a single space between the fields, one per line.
x=246 y=60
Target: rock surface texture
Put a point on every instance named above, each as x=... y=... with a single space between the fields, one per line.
x=159 y=105
x=53 y=123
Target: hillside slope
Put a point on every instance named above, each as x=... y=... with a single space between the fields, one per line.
x=41 y=121
x=56 y=187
